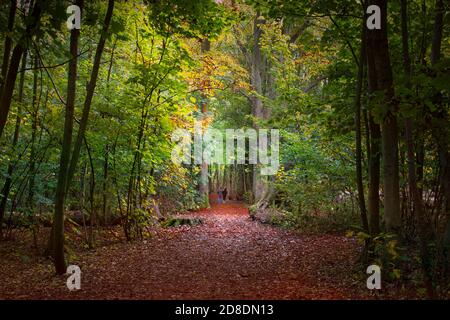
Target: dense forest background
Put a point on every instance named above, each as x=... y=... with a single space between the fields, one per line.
x=86 y=117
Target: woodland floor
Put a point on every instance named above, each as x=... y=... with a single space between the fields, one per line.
x=229 y=256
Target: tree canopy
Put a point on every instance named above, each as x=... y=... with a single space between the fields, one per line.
x=87 y=118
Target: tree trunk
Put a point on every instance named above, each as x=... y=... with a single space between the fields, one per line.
x=383 y=71
x=437 y=33
x=105 y=185
x=374 y=177
x=412 y=178
x=8 y=42
x=203 y=183
x=260 y=183
x=34 y=120
x=375 y=149
x=8 y=86
x=358 y=139
x=440 y=127
x=106 y=152
x=8 y=182
x=58 y=220
x=90 y=93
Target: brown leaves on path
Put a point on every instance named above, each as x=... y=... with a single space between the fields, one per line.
x=229 y=256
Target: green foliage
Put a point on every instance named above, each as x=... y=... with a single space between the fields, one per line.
x=155 y=78
x=200 y=19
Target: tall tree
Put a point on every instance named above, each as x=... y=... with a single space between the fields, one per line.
x=440 y=128
x=8 y=42
x=58 y=222
x=34 y=124
x=90 y=92
x=378 y=39
x=259 y=112
x=19 y=49
x=358 y=135
x=204 y=184
x=412 y=176
x=8 y=181
x=374 y=145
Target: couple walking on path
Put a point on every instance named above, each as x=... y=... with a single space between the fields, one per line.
x=222 y=196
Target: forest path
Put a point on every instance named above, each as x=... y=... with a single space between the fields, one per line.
x=229 y=256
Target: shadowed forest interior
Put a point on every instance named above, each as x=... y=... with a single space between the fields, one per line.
x=93 y=174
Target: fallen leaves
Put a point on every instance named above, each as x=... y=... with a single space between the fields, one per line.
x=229 y=256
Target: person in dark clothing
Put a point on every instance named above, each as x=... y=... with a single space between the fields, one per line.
x=219 y=197
x=225 y=192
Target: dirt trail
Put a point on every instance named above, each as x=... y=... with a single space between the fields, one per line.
x=229 y=256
